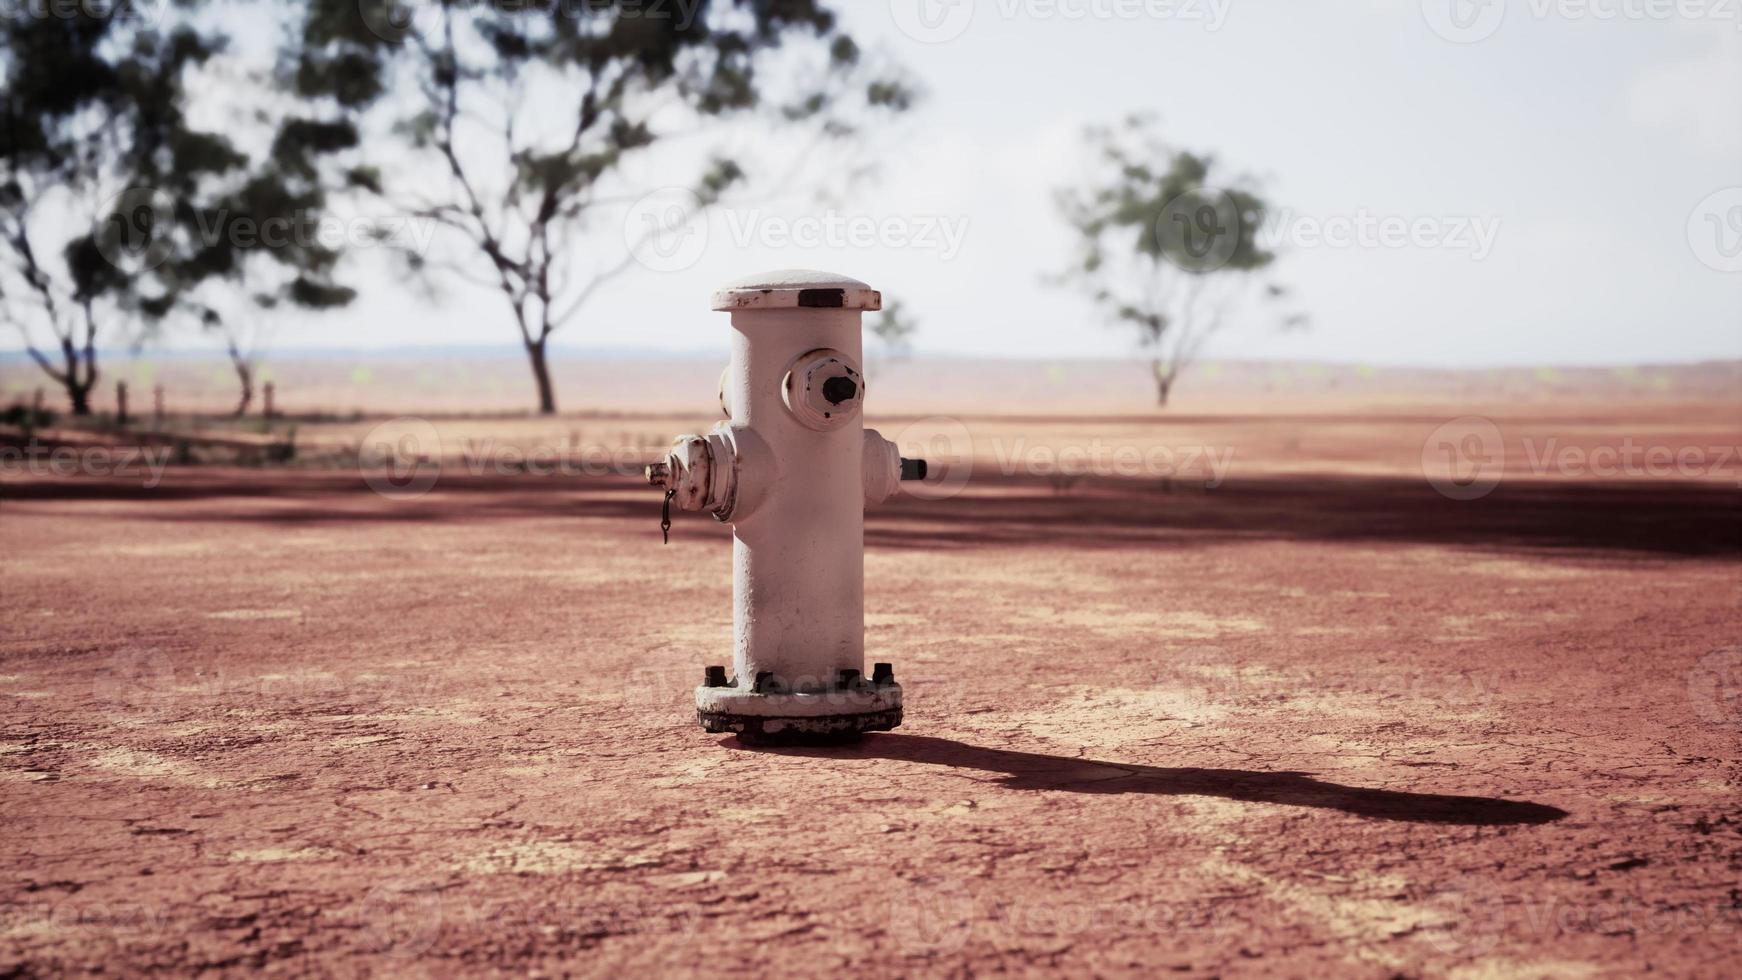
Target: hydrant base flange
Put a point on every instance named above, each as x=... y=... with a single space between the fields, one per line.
x=766 y=730
x=862 y=698
x=801 y=716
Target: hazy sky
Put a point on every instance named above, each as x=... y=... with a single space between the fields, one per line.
x=1571 y=172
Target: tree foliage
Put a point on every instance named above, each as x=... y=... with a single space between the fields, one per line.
x=512 y=124
x=95 y=151
x=115 y=207
x=265 y=245
x=1166 y=244
x=893 y=330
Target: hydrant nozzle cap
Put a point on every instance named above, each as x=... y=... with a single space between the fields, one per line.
x=796 y=289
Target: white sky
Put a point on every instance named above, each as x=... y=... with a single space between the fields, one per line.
x=1584 y=144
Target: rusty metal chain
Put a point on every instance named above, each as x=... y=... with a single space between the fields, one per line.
x=665 y=517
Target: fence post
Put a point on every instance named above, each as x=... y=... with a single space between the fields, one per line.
x=157 y=405
x=120 y=403
x=266 y=394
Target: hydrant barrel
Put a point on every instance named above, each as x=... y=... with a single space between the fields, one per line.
x=798 y=588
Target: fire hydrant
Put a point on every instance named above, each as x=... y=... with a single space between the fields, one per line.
x=792 y=469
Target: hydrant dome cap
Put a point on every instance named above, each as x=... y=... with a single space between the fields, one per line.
x=796 y=289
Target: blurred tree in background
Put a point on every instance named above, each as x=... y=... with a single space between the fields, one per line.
x=98 y=169
x=514 y=125
x=1165 y=246
x=118 y=214
x=265 y=246
x=893 y=330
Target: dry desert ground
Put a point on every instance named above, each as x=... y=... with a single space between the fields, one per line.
x=1274 y=701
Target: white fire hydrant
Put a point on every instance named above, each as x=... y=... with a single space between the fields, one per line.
x=792 y=469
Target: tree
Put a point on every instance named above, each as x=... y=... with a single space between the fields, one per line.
x=98 y=165
x=262 y=251
x=893 y=330
x=515 y=123
x=256 y=281
x=1164 y=246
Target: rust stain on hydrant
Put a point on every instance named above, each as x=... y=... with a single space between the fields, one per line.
x=792 y=469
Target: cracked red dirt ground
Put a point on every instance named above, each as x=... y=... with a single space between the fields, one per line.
x=1290 y=725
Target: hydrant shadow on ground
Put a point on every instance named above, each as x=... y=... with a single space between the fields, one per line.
x=1071 y=774
x=792 y=469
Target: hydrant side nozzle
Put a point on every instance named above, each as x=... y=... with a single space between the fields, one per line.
x=912 y=469
x=658 y=474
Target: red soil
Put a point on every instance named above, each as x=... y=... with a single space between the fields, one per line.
x=1333 y=723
